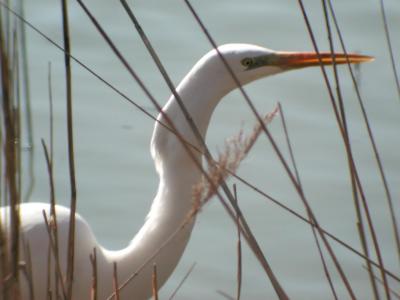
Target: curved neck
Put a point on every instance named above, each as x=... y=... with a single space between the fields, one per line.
x=178 y=174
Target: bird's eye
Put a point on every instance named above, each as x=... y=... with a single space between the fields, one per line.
x=247 y=62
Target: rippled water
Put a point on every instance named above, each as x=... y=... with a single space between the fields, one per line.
x=116 y=178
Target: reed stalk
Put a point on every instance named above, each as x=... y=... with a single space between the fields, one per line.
x=215 y=174
x=71 y=156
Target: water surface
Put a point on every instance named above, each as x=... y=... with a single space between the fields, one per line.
x=116 y=178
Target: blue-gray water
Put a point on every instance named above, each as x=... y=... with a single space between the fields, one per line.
x=115 y=174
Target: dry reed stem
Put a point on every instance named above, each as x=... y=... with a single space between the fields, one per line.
x=154 y=284
x=374 y=147
x=71 y=157
x=365 y=205
x=3 y=200
x=280 y=292
x=371 y=273
x=49 y=269
x=26 y=267
x=372 y=140
x=225 y=295
x=252 y=242
x=390 y=47
x=15 y=96
x=394 y=293
x=196 y=208
x=115 y=282
x=175 y=292
x=375 y=150
x=93 y=262
x=313 y=229
x=236 y=149
x=166 y=77
x=11 y=139
x=80 y=63
x=50 y=167
x=53 y=215
x=238 y=249
x=346 y=138
x=254 y=246
x=49 y=225
x=250 y=238
x=27 y=102
x=51 y=114
x=242 y=180
x=4 y=273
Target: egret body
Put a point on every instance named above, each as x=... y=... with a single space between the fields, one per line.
x=200 y=90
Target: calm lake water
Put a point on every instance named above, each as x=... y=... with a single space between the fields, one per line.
x=115 y=173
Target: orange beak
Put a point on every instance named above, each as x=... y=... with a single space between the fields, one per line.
x=294 y=60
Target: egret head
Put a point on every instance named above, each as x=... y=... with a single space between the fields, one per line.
x=210 y=80
x=251 y=62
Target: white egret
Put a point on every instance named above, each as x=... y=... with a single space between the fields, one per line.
x=200 y=90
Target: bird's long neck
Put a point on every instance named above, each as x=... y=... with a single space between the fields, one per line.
x=178 y=174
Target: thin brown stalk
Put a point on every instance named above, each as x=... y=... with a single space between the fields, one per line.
x=17 y=109
x=272 y=277
x=394 y=293
x=254 y=245
x=2 y=194
x=389 y=46
x=115 y=282
x=314 y=231
x=373 y=144
x=258 y=129
x=3 y=238
x=71 y=158
x=257 y=190
x=289 y=145
x=236 y=149
x=51 y=113
x=306 y=220
x=11 y=138
x=238 y=250
x=364 y=202
x=27 y=103
x=53 y=215
x=150 y=258
x=175 y=292
x=8 y=31
x=250 y=237
x=225 y=295
x=50 y=167
x=346 y=139
x=49 y=273
x=28 y=270
x=376 y=153
x=56 y=261
x=154 y=283
x=134 y=274
x=166 y=77
x=369 y=266
x=80 y=63
x=198 y=203
x=93 y=262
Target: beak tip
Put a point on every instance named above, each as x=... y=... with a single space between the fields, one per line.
x=362 y=58
x=370 y=58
